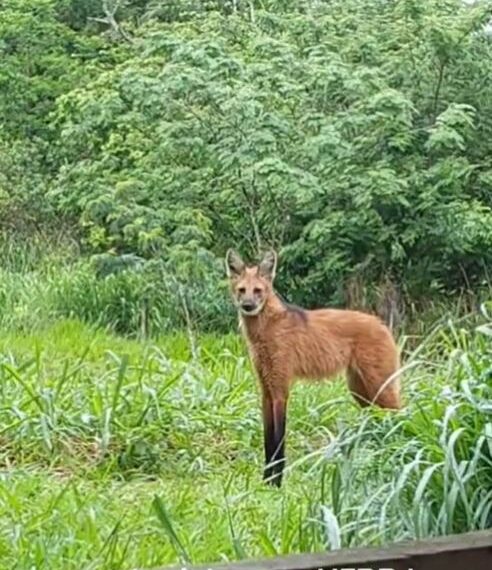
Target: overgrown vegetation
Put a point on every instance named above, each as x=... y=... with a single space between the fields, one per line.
x=45 y=280
x=139 y=140
x=118 y=454
x=352 y=136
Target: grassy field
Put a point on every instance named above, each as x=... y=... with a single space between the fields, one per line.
x=129 y=454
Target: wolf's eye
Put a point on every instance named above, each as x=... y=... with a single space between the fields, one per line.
x=241 y=290
x=257 y=291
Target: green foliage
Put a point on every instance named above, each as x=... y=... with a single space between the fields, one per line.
x=283 y=132
x=41 y=59
x=118 y=454
x=141 y=138
x=353 y=136
x=444 y=482
x=120 y=294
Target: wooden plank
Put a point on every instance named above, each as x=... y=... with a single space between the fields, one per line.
x=470 y=551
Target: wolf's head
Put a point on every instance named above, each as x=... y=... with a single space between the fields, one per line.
x=251 y=285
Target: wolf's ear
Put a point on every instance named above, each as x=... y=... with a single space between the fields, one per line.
x=234 y=264
x=268 y=265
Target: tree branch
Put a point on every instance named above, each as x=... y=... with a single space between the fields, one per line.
x=110 y=19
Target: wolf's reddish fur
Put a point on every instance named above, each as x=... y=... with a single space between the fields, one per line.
x=286 y=343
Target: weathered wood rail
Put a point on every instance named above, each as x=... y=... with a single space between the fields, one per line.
x=470 y=551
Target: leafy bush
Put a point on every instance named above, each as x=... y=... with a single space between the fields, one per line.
x=354 y=136
x=38 y=287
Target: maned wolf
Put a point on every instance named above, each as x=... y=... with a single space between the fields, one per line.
x=286 y=342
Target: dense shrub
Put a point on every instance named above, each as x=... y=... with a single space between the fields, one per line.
x=352 y=136
x=40 y=283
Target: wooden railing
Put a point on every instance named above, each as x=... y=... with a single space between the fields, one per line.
x=471 y=551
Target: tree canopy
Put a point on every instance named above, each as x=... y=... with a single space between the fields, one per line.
x=355 y=136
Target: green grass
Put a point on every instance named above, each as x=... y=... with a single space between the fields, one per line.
x=117 y=453
x=43 y=281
